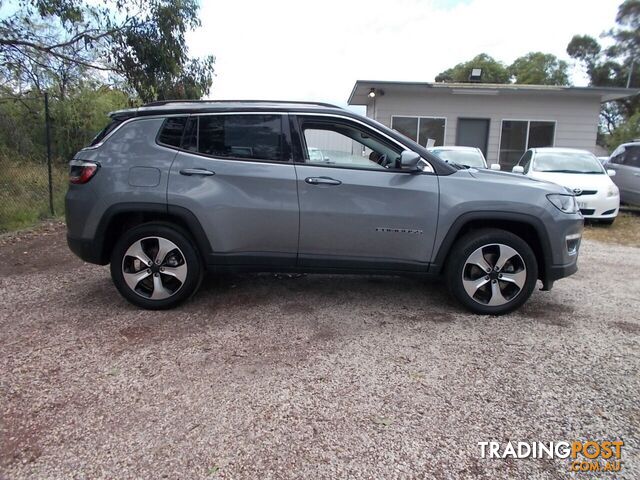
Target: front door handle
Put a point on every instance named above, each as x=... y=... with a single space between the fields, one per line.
x=322 y=181
x=196 y=171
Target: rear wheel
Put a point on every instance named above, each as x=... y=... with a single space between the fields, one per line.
x=491 y=271
x=155 y=266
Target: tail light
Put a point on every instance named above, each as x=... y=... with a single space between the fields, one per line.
x=81 y=171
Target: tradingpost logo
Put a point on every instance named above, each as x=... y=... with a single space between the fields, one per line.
x=589 y=456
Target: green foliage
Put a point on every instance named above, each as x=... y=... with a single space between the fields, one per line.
x=51 y=44
x=493 y=71
x=75 y=121
x=153 y=57
x=616 y=66
x=537 y=68
x=627 y=131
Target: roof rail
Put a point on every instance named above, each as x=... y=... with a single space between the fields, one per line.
x=159 y=103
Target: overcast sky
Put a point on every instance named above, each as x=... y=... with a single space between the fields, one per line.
x=303 y=50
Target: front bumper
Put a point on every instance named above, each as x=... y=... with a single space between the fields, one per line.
x=566 y=249
x=599 y=205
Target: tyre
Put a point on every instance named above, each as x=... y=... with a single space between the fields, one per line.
x=491 y=271
x=156 y=266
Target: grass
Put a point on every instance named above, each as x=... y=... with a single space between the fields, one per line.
x=24 y=192
x=624 y=231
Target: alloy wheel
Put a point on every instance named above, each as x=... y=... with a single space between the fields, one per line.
x=154 y=267
x=494 y=274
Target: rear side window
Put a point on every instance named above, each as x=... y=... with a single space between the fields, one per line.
x=171 y=131
x=632 y=156
x=253 y=137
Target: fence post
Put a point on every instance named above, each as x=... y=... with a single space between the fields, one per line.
x=47 y=121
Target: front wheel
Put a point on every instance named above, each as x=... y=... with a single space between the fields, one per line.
x=491 y=271
x=155 y=266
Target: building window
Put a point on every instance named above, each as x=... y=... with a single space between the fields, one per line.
x=427 y=131
x=517 y=136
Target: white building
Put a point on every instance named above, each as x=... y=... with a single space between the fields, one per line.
x=503 y=120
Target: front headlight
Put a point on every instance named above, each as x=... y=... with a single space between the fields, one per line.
x=564 y=203
x=613 y=191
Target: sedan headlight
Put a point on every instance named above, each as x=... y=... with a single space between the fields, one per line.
x=564 y=203
x=613 y=191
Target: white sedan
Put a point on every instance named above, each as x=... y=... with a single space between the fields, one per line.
x=467 y=156
x=579 y=171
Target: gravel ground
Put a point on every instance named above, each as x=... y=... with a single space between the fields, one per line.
x=312 y=377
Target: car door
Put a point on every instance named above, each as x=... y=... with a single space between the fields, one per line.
x=357 y=208
x=234 y=173
x=626 y=163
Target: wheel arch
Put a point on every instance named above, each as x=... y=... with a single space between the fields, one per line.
x=529 y=228
x=122 y=216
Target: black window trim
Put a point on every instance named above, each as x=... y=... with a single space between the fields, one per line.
x=283 y=126
x=286 y=150
x=298 y=119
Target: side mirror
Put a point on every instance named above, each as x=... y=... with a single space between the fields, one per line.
x=495 y=166
x=409 y=160
x=611 y=173
x=517 y=169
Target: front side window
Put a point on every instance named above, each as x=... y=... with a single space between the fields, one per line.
x=517 y=136
x=344 y=145
x=427 y=131
x=525 y=161
x=250 y=137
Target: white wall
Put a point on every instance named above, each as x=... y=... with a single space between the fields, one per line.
x=576 y=117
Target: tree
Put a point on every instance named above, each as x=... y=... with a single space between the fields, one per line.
x=616 y=66
x=539 y=69
x=626 y=132
x=141 y=41
x=153 y=56
x=493 y=71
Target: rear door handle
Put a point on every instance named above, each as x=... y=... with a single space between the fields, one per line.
x=322 y=181
x=196 y=171
x=637 y=174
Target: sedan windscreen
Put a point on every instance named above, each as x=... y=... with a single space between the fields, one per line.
x=562 y=162
x=468 y=158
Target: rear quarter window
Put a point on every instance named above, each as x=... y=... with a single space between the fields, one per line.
x=111 y=126
x=171 y=131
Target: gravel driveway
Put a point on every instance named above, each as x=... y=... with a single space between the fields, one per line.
x=313 y=377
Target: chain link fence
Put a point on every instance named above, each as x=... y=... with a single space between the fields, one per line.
x=33 y=175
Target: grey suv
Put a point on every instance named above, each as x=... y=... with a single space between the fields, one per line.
x=170 y=189
x=625 y=160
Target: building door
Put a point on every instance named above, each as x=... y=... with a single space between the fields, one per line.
x=473 y=132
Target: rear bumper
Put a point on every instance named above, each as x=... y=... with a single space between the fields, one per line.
x=87 y=250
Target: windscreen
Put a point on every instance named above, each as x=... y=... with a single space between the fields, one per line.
x=470 y=158
x=567 y=162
